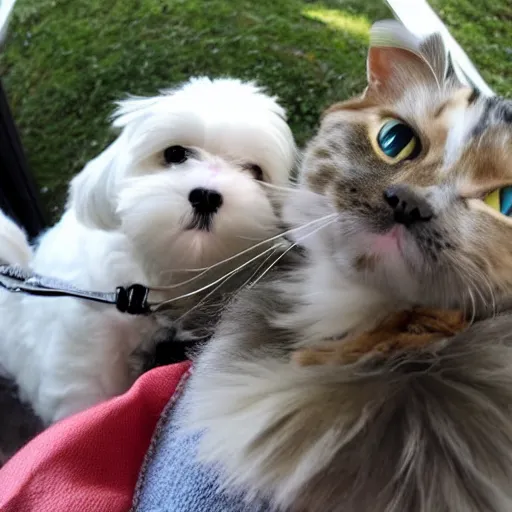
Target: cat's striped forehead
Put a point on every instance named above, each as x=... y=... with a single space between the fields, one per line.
x=479 y=140
x=492 y=111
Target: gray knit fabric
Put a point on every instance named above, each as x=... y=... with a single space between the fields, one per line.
x=171 y=480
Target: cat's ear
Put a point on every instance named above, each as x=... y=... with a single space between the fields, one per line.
x=435 y=53
x=397 y=60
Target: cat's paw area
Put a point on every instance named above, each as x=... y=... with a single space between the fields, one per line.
x=401 y=331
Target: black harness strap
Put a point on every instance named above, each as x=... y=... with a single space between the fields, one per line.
x=132 y=299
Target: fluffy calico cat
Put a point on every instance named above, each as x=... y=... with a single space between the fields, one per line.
x=405 y=191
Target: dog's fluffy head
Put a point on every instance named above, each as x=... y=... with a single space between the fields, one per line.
x=185 y=178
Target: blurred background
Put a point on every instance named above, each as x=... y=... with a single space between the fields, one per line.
x=64 y=62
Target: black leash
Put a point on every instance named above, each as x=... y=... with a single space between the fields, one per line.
x=131 y=299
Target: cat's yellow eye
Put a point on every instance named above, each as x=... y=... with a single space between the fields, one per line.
x=397 y=141
x=500 y=200
x=493 y=200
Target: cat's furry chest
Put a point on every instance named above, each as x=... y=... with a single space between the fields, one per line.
x=329 y=306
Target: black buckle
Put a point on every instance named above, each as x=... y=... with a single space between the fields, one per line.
x=133 y=299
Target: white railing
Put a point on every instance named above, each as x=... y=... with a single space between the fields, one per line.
x=5 y=13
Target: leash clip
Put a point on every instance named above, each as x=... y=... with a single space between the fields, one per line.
x=133 y=299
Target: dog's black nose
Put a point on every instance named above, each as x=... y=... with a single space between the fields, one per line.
x=205 y=201
x=408 y=205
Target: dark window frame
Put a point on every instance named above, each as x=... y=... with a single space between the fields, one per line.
x=19 y=196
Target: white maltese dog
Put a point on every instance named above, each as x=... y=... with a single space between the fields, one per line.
x=184 y=186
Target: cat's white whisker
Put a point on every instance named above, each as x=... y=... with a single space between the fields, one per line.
x=283 y=188
x=203 y=270
x=160 y=305
x=219 y=282
x=209 y=294
x=473 y=303
x=240 y=237
x=471 y=288
x=478 y=279
x=272 y=265
x=289 y=249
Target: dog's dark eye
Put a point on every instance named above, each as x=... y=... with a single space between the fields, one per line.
x=175 y=155
x=255 y=170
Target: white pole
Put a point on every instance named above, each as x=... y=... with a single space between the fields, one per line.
x=5 y=12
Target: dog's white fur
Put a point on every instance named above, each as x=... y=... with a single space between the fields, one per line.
x=126 y=221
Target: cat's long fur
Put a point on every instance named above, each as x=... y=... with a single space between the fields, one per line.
x=429 y=431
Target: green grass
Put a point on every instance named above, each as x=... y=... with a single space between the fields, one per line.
x=66 y=61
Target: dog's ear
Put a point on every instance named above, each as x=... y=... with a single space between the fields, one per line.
x=133 y=108
x=93 y=192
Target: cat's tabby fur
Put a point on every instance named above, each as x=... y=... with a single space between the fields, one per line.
x=423 y=431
